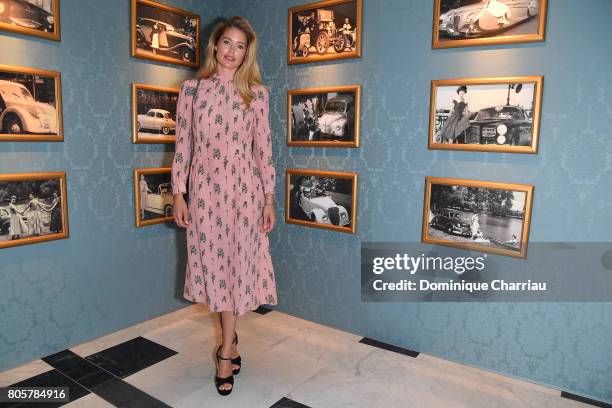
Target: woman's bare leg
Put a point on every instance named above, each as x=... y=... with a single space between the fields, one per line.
x=228 y=349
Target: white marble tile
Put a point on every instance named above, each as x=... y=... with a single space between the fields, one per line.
x=310 y=363
x=89 y=401
x=23 y=372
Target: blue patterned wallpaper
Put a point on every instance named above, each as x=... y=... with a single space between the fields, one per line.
x=564 y=345
x=110 y=275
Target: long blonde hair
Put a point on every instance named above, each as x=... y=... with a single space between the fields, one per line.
x=247 y=75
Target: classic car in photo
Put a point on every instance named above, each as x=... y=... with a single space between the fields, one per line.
x=319 y=29
x=22 y=13
x=169 y=40
x=160 y=201
x=159 y=120
x=21 y=113
x=502 y=125
x=479 y=18
x=319 y=207
x=337 y=119
x=452 y=222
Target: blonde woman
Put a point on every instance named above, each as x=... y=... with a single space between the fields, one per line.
x=224 y=148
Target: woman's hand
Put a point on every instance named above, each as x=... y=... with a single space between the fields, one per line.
x=267 y=219
x=181 y=214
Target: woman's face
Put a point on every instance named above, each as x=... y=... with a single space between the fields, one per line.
x=462 y=93
x=30 y=196
x=13 y=200
x=231 y=48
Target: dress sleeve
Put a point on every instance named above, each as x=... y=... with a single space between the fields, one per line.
x=184 y=140
x=262 y=140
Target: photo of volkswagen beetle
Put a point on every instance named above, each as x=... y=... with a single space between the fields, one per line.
x=20 y=113
x=482 y=18
x=159 y=120
x=170 y=40
x=337 y=119
x=22 y=13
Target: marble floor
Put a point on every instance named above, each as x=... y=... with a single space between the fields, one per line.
x=287 y=362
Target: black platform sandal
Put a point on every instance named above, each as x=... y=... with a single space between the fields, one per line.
x=238 y=360
x=220 y=381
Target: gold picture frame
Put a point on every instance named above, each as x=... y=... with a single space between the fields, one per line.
x=353 y=106
x=30 y=225
x=54 y=34
x=521 y=125
x=485 y=32
x=301 y=42
x=448 y=224
x=159 y=200
x=182 y=48
x=163 y=126
x=25 y=126
x=304 y=207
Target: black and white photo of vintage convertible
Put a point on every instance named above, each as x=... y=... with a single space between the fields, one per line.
x=325 y=30
x=320 y=200
x=462 y=19
x=160 y=37
x=26 y=14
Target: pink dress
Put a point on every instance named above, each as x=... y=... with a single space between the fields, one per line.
x=229 y=266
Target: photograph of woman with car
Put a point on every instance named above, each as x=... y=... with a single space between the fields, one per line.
x=499 y=115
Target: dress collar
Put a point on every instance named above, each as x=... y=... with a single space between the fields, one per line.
x=224 y=78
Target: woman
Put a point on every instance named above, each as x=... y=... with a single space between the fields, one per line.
x=34 y=216
x=17 y=227
x=228 y=160
x=144 y=194
x=56 y=215
x=458 y=122
x=475 y=227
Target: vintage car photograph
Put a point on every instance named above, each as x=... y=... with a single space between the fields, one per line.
x=33 y=208
x=164 y=33
x=153 y=196
x=326 y=30
x=486 y=114
x=30 y=105
x=321 y=199
x=463 y=23
x=39 y=18
x=154 y=114
x=324 y=116
x=478 y=215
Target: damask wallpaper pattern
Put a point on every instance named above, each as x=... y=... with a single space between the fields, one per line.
x=110 y=275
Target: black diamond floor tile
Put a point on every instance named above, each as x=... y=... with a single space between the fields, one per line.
x=288 y=403
x=131 y=356
x=390 y=347
x=78 y=369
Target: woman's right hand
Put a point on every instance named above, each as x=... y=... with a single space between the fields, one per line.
x=181 y=214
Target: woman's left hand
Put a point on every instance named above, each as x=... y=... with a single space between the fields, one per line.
x=267 y=219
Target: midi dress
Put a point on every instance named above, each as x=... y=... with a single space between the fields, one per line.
x=225 y=166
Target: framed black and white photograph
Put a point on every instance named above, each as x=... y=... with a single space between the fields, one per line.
x=33 y=208
x=324 y=116
x=478 y=215
x=486 y=114
x=465 y=23
x=30 y=105
x=323 y=31
x=153 y=114
x=321 y=199
x=39 y=18
x=164 y=33
x=153 y=197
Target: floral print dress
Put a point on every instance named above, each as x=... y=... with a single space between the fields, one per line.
x=227 y=166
